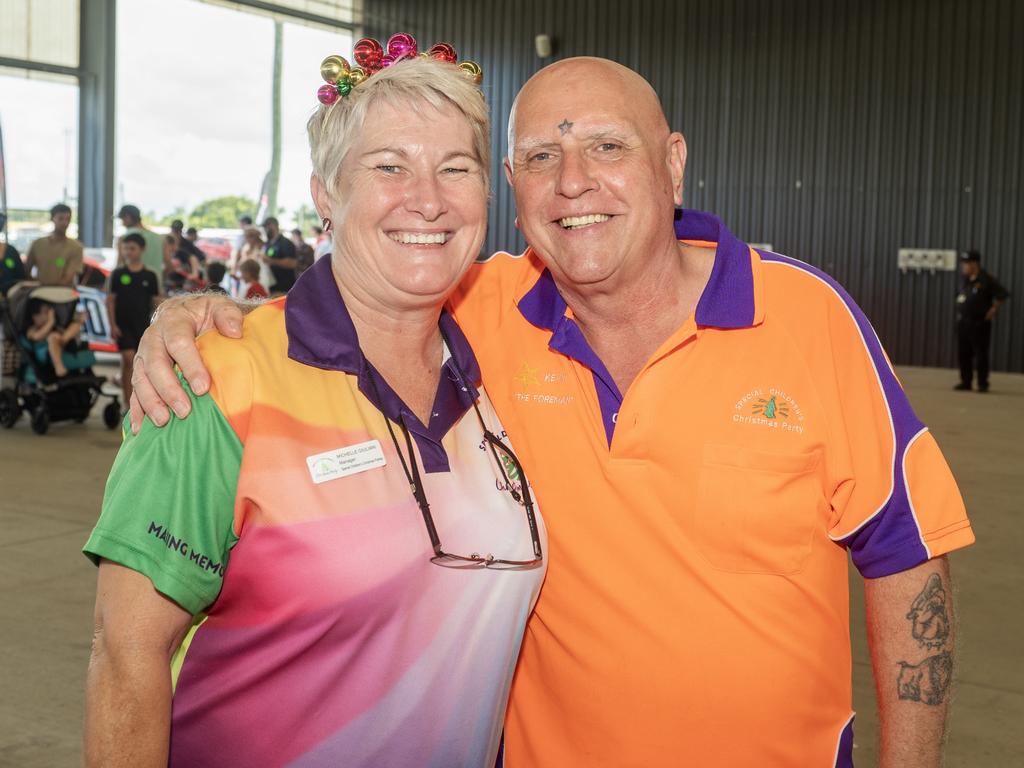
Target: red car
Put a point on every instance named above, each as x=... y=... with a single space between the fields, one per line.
x=215 y=248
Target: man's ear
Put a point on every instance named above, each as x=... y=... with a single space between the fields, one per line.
x=508 y=171
x=676 y=160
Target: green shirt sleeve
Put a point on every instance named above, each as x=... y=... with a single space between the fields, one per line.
x=168 y=509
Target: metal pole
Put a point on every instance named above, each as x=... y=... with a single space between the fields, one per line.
x=96 y=120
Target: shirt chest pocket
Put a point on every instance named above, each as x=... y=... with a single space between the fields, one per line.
x=756 y=511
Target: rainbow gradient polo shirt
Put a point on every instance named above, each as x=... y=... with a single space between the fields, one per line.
x=279 y=514
x=696 y=607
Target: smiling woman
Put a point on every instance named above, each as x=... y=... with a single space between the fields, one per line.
x=400 y=168
x=344 y=629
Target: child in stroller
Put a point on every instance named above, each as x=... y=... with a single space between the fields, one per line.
x=54 y=380
x=52 y=342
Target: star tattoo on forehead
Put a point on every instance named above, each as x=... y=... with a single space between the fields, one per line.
x=565 y=126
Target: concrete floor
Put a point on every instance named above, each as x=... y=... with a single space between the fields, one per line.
x=51 y=487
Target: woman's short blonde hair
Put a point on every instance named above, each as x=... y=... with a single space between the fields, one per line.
x=333 y=129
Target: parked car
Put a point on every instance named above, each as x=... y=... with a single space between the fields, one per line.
x=215 y=248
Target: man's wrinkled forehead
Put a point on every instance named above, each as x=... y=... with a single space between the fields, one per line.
x=580 y=126
x=536 y=123
x=581 y=97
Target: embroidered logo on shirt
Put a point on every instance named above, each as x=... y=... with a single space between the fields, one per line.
x=773 y=408
x=342 y=462
x=769 y=408
x=544 y=388
x=527 y=377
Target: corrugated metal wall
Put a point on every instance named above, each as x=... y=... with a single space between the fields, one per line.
x=836 y=130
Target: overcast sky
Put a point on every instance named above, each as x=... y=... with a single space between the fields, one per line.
x=193 y=103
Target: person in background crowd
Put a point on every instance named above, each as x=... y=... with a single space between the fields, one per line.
x=56 y=259
x=12 y=268
x=244 y=222
x=252 y=247
x=186 y=243
x=976 y=307
x=48 y=339
x=132 y=295
x=252 y=250
x=215 y=277
x=153 y=255
x=303 y=252
x=192 y=234
x=12 y=271
x=322 y=245
x=249 y=271
x=279 y=255
x=183 y=270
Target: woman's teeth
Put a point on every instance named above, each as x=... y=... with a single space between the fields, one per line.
x=578 y=222
x=414 y=238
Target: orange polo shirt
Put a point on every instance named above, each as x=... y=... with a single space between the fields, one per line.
x=695 y=610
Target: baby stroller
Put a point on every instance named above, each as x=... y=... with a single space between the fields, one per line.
x=37 y=389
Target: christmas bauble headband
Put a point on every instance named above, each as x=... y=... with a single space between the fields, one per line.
x=370 y=58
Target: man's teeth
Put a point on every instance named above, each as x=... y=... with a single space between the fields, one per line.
x=414 y=238
x=578 y=222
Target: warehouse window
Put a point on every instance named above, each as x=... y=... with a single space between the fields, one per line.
x=40 y=31
x=194 y=116
x=39 y=121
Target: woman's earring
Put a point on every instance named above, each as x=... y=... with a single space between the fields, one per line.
x=326 y=224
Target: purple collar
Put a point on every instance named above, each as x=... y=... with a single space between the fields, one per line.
x=728 y=298
x=321 y=334
x=728 y=301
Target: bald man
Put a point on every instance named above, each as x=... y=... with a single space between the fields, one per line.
x=709 y=429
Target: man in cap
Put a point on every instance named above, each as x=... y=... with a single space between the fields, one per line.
x=976 y=306
x=153 y=255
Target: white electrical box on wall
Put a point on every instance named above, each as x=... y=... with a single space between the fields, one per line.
x=930 y=259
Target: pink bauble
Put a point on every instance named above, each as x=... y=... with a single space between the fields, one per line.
x=387 y=60
x=328 y=94
x=402 y=45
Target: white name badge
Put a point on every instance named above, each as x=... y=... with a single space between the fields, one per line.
x=342 y=462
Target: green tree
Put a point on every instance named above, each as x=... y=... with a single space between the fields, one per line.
x=164 y=221
x=220 y=212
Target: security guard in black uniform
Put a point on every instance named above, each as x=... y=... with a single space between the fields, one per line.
x=976 y=305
